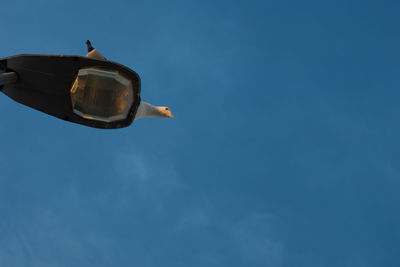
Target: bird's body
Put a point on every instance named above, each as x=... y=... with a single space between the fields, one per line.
x=145 y=109
x=148 y=110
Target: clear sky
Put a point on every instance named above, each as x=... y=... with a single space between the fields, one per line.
x=284 y=150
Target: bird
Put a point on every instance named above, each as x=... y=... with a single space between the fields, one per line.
x=145 y=109
x=93 y=53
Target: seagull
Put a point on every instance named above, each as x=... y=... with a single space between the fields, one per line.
x=145 y=109
x=93 y=53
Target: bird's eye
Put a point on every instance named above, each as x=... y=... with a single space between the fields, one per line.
x=166 y=108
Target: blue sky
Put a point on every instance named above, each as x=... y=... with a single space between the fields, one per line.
x=284 y=149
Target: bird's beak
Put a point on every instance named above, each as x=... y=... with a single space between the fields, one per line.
x=171 y=116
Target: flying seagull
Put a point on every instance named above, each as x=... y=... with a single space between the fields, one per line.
x=145 y=109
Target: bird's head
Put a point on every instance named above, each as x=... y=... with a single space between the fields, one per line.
x=165 y=112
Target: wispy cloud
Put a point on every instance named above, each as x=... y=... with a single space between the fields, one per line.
x=256 y=242
x=48 y=236
x=145 y=178
x=140 y=168
x=194 y=218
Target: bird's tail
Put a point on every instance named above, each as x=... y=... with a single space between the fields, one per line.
x=89 y=46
